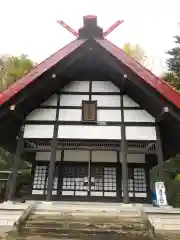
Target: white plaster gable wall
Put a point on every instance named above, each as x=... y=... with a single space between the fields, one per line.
x=89 y=132
x=104 y=86
x=38 y=131
x=52 y=101
x=72 y=100
x=41 y=114
x=77 y=86
x=103 y=115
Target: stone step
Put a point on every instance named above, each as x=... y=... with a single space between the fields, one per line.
x=167 y=216
x=43 y=207
x=88 y=225
x=82 y=216
x=119 y=221
x=165 y=224
x=5 y=222
x=9 y=212
x=167 y=227
x=45 y=210
x=82 y=213
x=85 y=206
x=74 y=203
x=165 y=220
x=85 y=233
x=9 y=217
x=13 y=206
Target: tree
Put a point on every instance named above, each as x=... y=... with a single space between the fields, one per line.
x=172 y=79
x=135 y=51
x=173 y=64
x=174 y=60
x=12 y=68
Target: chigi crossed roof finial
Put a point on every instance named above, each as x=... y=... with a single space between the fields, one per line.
x=90 y=28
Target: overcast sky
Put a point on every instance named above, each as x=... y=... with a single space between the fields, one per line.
x=29 y=26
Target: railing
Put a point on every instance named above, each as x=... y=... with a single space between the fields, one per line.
x=45 y=145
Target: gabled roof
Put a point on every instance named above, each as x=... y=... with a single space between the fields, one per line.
x=41 y=68
x=157 y=83
x=148 y=77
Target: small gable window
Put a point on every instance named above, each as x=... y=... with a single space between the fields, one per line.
x=89 y=111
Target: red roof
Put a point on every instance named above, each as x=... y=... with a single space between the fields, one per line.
x=158 y=84
x=39 y=70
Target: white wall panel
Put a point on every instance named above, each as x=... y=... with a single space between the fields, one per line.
x=70 y=115
x=140 y=133
x=109 y=115
x=136 y=158
x=137 y=116
x=128 y=102
x=77 y=156
x=89 y=132
x=77 y=86
x=42 y=156
x=72 y=100
x=104 y=86
x=42 y=114
x=38 y=131
x=45 y=156
x=104 y=156
x=107 y=100
x=52 y=101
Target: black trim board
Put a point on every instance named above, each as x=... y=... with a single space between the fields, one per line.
x=52 y=162
x=98 y=107
x=91 y=93
x=108 y=123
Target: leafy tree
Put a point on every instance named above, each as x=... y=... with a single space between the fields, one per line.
x=6 y=161
x=12 y=68
x=174 y=60
x=173 y=63
x=172 y=79
x=172 y=166
x=135 y=51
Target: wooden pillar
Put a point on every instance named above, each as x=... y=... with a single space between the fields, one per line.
x=118 y=177
x=123 y=156
x=159 y=153
x=52 y=160
x=17 y=158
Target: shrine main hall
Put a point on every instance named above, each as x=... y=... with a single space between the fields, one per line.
x=91 y=121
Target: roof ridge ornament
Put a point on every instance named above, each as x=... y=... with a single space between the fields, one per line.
x=90 y=28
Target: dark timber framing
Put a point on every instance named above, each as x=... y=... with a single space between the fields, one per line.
x=123 y=155
x=122 y=147
x=90 y=90
x=159 y=153
x=52 y=162
x=91 y=167
x=17 y=159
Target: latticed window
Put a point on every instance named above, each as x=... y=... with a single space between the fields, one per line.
x=89 y=111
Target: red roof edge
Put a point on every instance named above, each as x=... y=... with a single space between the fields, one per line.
x=31 y=76
x=157 y=83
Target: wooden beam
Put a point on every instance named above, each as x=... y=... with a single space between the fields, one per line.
x=17 y=159
x=162 y=114
x=123 y=156
x=54 y=145
x=159 y=153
